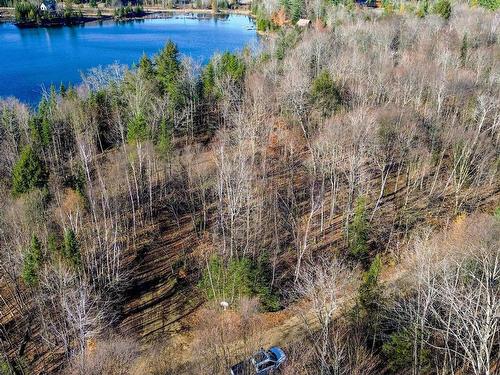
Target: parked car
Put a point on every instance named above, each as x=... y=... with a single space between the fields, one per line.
x=264 y=362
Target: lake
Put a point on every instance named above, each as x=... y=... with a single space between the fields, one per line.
x=31 y=59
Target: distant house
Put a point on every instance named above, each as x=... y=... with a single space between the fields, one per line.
x=370 y=3
x=303 y=23
x=48 y=6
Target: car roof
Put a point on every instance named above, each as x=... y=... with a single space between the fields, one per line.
x=277 y=351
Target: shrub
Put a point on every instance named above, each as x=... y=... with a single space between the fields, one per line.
x=443 y=8
x=388 y=6
x=25 y=11
x=35 y=206
x=226 y=281
x=263 y=24
x=5 y=368
x=490 y=4
x=112 y=356
x=287 y=39
x=423 y=9
x=235 y=279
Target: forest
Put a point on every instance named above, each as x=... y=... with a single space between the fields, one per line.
x=337 y=186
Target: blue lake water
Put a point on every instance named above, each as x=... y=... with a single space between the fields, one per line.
x=31 y=59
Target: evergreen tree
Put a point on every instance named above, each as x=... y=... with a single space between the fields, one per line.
x=358 y=231
x=227 y=65
x=164 y=142
x=52 y=244
x=168 y=69
x=400 y=350
x=286 y=5
x=296 y=10
x=464 y=50
x=233 y=66
x=369 y=305
x=208 y=79
x=28 y=173
x=325 y=95
x=32 y=262
x=71 y=248
x=137 y=129
x=145 y=67
x=46 y=132
x=369 y=291
x=41 y=124
x=62 y=90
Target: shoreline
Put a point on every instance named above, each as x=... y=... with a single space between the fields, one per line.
x=241 y=12
x=90 y=15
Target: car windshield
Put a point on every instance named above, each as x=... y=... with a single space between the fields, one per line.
x=272 y=356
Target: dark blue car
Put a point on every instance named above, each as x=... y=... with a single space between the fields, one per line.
x=264 y=362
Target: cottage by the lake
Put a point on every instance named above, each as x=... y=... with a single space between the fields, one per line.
x=48 y=6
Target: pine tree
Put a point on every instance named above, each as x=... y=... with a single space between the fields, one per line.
x=358 y=231
x=145 y=67
x=369 y=291
x=164 y=142
x=464 y=50
x=286 y=5
x=227 y=65
x=208 y=79
x=137 y=129
x=168 y=69
x=324 y=94
x=52 y=245
x=32 y=262
x=28 y=173
x=297 y=8
x=369 y=305
x=71 y=248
